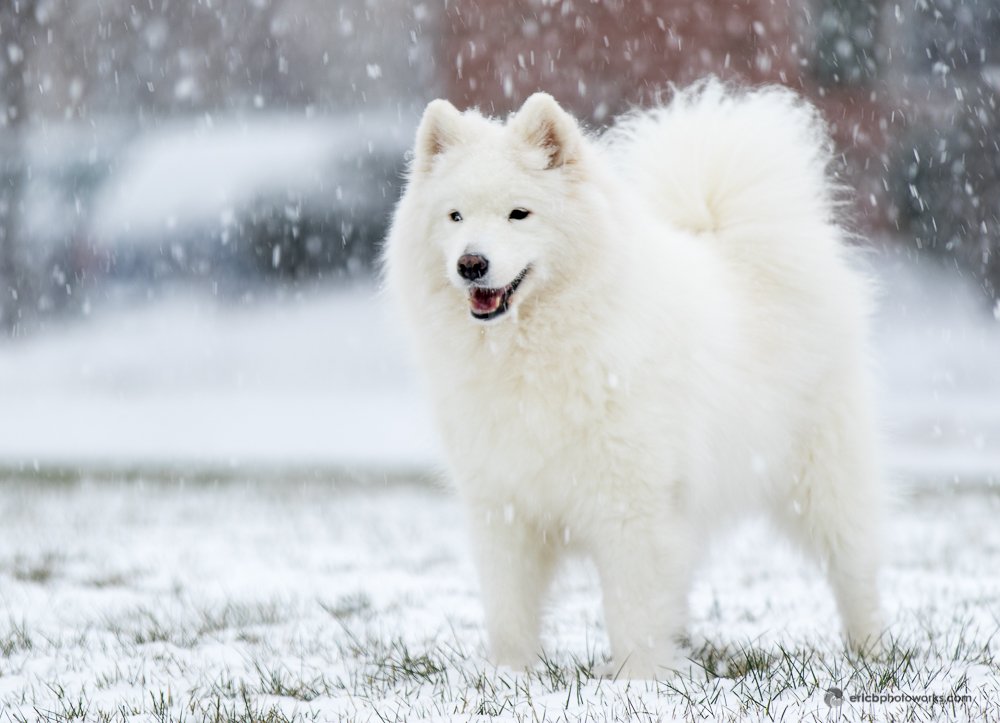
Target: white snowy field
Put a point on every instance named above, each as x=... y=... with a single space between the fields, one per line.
x=275 y=601
x=189 y=383
x=217 y=513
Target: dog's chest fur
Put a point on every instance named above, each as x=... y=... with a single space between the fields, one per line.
x=532 y=426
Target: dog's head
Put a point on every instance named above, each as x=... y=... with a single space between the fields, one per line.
x=498 y=200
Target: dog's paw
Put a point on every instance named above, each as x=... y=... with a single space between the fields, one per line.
x=638 y=669
x=870 y=647
x=517 y=661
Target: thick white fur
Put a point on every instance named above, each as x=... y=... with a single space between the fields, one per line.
x=688 y=348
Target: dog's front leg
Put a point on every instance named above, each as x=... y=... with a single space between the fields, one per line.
x=515 y=564
x=644 y=565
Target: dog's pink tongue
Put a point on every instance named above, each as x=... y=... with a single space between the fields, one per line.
x=485 y=301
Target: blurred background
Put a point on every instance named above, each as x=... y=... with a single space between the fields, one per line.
x=192 y=196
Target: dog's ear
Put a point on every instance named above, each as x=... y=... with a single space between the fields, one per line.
x=544 y=124
x=440 y=128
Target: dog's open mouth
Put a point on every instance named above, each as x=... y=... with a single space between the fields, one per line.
x=488 y=303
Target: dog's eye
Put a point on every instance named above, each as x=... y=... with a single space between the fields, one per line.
x=455 y=216
x=519 y=214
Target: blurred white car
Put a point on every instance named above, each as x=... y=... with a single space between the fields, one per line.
x=275 y=195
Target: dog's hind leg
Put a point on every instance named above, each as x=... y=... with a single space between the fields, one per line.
x=835 y=511
x=515 y=562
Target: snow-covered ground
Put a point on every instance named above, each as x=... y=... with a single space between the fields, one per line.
x=938 y=353
x=189 y=383
x=197 y=523
x=307 y=601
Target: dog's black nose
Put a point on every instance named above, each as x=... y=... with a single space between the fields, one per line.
x=472 y=266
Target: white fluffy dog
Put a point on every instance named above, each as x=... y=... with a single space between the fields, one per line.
x=630 y=342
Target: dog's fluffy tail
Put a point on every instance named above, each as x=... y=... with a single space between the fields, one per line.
x=747 y=166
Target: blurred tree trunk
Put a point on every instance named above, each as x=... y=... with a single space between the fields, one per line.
x=16 y=35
